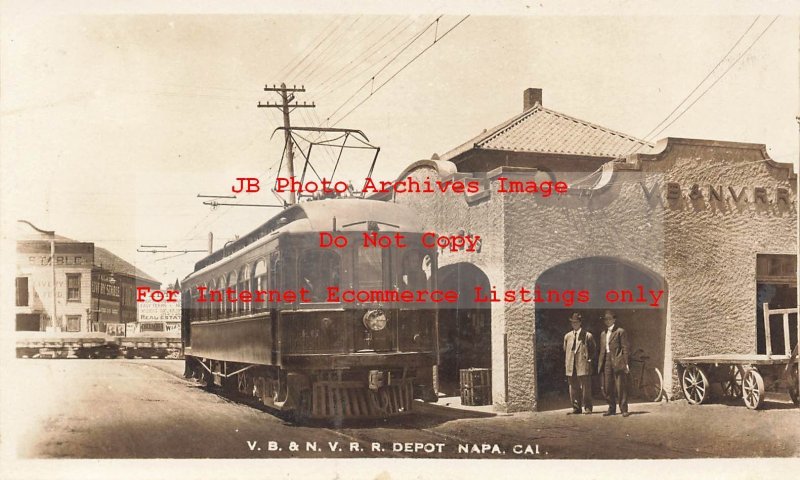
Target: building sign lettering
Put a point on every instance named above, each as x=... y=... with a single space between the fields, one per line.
x=674 y=192
x=105 y=289
x=66 y=260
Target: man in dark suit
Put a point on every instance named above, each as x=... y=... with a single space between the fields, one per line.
x=613 y=365
x=580 y=350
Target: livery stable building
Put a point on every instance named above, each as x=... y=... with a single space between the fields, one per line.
x=63 y=285
x=694 y=235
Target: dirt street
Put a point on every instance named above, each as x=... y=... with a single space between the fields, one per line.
x=145 y=409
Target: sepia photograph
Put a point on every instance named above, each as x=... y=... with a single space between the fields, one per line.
x=267 y=240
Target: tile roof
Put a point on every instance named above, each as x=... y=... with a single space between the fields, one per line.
x=542 y=130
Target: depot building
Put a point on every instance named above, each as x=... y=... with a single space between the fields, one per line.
x=683 y=240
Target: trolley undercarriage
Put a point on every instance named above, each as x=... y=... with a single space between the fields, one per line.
x=343 y=393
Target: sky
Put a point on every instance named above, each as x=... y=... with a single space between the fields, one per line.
x=113 y=124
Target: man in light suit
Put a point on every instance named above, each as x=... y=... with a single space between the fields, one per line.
x=613 y=365
x=580 y=350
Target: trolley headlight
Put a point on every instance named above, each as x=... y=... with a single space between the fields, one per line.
x=375 y=320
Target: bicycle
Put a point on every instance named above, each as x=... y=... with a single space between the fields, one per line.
x=647 y=383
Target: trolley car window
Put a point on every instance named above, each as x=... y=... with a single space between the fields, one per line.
x=416 y=270
x=205 y=310
x=200 y=307
x=369 y=268
x=286 y=269
x=211 y=307
x=196 y=305
x=243 y=286
x=231 y=306
x=260 y=283
x=318 y=271
x=274 y=271
x=222 y=285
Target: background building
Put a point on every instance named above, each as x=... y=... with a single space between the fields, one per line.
x=71 y=286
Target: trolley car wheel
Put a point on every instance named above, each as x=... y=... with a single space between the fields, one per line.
x=753 y=389
x=695 y=385
x=732 y=387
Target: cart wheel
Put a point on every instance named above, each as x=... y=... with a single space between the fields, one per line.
x=695 y=385
x=732 y=387
x=753 y=389
x=793 y=388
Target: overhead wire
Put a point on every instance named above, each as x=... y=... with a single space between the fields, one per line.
x=404 y=48
x=366 y=39
x=369 y=65
x=376 y=89
x=650 y=135
x=222 y=211
x=697 y=87
x=311 y=50
x=330 y=83
x=321 y=52
x=733 y=64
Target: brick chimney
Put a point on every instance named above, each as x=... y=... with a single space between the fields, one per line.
x=530 y=97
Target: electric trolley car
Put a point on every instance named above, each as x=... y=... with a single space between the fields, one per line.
x=317 y=345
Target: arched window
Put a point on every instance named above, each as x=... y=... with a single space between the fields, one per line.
x=260 y=283
x=222 y=285
x=230 y=309
x=210 y=307
x=243 y=285
x=201 y=306
x=195 y=305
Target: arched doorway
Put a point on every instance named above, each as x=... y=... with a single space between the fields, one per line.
x=465 y=331
x=642 y=315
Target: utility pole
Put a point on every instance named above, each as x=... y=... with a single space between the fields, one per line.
x=287 y=96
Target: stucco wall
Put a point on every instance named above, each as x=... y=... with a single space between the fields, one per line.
x=447 y=213
x=712 y=245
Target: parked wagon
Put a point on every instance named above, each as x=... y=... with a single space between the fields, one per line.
x=65 y=345
x=746 y=376
x=148 y=347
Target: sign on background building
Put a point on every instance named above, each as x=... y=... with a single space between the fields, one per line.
x=158 y=316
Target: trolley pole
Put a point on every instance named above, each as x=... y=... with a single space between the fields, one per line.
x=287 y=96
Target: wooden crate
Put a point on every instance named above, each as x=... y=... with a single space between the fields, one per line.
x=476 y=386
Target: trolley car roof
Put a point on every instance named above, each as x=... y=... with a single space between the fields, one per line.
x=351 y=214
